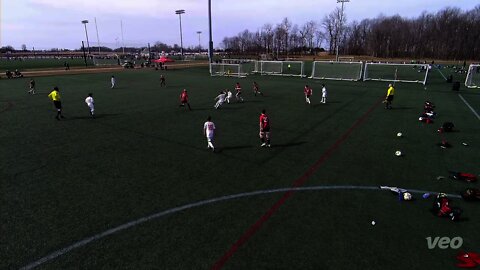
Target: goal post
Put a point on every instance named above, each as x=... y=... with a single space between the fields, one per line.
x=249 y=66
x=330 y=70
x=221 y=69
x=473 y=76
x=414 y=73
x=282 y=68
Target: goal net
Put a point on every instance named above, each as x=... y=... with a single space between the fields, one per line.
x=416 y=73
x=282 y=68
x=105 y=60
x=473 y=76
x=221 y=69
x=249 y=66
x=329 y=70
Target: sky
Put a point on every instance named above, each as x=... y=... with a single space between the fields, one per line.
x=46 y=24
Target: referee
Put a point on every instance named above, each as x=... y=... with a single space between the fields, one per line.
x=55 y=97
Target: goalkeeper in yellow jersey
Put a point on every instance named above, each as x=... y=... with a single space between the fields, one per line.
x=389 y=97
x=55 y=97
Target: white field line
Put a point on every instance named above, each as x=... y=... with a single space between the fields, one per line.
x=468 y=105
x=139 y=221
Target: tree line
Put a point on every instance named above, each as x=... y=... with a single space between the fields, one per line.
x=448 y=34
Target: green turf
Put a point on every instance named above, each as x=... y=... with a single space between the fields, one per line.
x=63 y=181
x=39 y=63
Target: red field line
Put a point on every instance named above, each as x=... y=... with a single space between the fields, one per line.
x=298 y=182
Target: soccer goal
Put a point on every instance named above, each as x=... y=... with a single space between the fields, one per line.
x=221 y=69
x=249 y=66
x=281 y=68
x=473 y=76
x=416 y=73
x=330 y=70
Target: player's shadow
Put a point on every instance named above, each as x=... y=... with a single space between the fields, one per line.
x=228 y=148
x=402 y=108
x=97 y=116
x=287 y=144
x=229 y=107
x=202 y=109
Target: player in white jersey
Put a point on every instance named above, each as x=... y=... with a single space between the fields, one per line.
x=220 y=99
x=229 y=96
x=209 y=132
x=91 y=104
x=113 y=81
x=324 y=94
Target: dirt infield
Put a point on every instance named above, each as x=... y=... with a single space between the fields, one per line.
x=55 y=72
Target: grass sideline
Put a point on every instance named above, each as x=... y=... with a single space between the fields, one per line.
x=64 y=181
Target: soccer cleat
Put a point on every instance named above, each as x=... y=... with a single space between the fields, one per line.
x=263 y=145
x=268 y=145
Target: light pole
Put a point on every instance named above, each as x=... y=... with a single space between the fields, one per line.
x=199 y=43
x=210 y=40
x=340 y=25
x=86 y=34
x=180 y=12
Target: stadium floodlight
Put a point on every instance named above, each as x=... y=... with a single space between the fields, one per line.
x=340 y=25
x=179 y=13
x=86 y=34
x=210 y=40
x=199 y=43
x=473 y=76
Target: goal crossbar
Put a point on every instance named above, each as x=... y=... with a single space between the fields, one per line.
x=282 y=68
x=221 y=69
x=341 y=71
x=392 y=72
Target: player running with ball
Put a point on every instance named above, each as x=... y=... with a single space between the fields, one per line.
x=256 y=90
x=264 y=129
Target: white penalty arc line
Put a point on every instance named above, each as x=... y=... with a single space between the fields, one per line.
x=139 y=221
x=470 y=107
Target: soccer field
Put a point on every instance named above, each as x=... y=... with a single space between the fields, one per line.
x=137 y=188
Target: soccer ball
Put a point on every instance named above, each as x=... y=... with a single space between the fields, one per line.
x=399 y=134
x=398 y=153
x=407 y=196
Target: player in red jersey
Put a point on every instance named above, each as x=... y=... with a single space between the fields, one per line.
x=238 y=95
x=264 y=129
x=308 y=93
x=256 y=90
x=184 y=99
